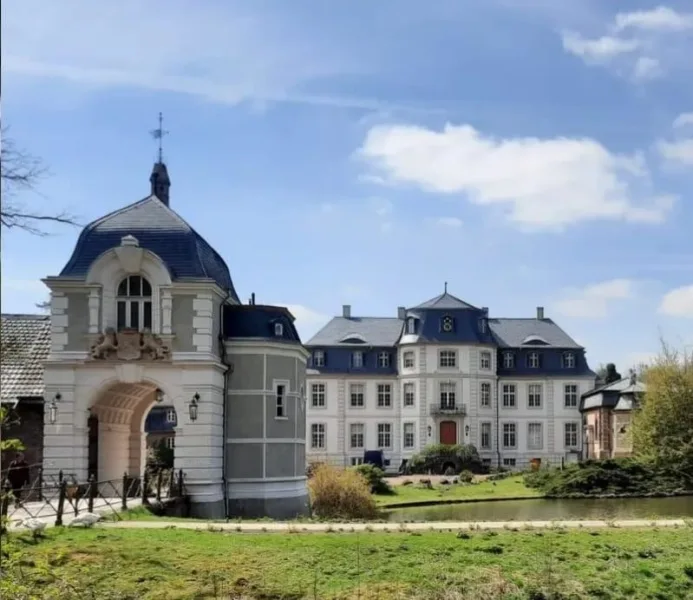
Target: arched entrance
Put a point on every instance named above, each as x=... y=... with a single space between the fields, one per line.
x=117 y=441
x=448 y=432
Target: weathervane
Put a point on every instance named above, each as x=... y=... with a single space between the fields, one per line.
x=158 y=134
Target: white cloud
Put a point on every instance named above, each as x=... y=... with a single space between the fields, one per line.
x=661 y=18
x=308 y=321
x=594 y=301
x=678 y=302
x=647 y=68
x=683 y=120
x=600 y=49
x=540 y=183
x=677 y=152
x=449 y=222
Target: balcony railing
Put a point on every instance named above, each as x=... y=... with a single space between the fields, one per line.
x=447 y=409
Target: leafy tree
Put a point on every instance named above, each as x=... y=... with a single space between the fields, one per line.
x=607 y=373
x=662 y=427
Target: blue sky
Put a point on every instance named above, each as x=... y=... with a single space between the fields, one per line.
x=529 y=152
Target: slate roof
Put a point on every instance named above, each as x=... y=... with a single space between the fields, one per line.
x=612 y=394
x=157 y=228
x=26 y=344
x=445 y=302
x=510 y=333
x=376 y=331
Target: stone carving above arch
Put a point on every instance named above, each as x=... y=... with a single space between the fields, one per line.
x=129 y=345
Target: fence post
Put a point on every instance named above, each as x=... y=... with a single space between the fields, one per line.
x=180 y=483
x=159 y=482
x=62 y=491
x=125 y=491
x=171 y=483
x=91 y=493
x=60 y=476
x=145 y=488
x=40 y=484
x=6 y=490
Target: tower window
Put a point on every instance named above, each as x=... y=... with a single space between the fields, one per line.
x=134 y=303
x=447 y=324
x=278 y=329
x=411 y=326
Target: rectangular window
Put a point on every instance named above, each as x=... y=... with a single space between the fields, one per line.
x=571 y=435
x=170 y=443
x=408 y=360
x=317 y=435
x=408 y=393
x=509 y=435
x=447 y=359
x=171 y=416
x=485 y=361
x=508 y=360
x=357 y=360
x=447 y=394
x=317 y=395
x=318 y=358
x=408 y=435
x=384 y=360
x=509 y=400
x=485 y=441
x=533 y=361
x=534 y=395
x=356 y=435
x=509 y=462
x=485 y=394
x=384 y=395
x=356 y=395
x=535 y=436
x=568 y=360
x=356 y=461
x=281 y=400
x=570 y=394
x=384 y=435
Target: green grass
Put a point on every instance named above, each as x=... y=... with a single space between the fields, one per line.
x=175 y=564
x=511 y=487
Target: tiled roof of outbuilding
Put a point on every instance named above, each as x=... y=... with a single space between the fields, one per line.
x=26 y=341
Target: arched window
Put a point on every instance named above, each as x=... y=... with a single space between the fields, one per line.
x=134 y=303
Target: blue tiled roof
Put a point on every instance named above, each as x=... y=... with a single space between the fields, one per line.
x=514 y=333
x=158 y=229
x=375 y=331
x=445 y=302
x=258 y=322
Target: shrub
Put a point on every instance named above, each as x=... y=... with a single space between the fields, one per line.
x=375 y=478
x=310 y=469
x=341 y=493
x=446 y=459
x=466 y=477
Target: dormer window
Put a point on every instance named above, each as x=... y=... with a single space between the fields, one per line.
x=533 y=360
x=134 y=303
x=482 y=325
x=508 y=360
x=447 y=324
x=411 y=325
x=569 y=360
x=357 y=360
x=278 y=329
x=318 y=358
x=384 y=360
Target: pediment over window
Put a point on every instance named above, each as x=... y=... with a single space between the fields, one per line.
x=534 y=340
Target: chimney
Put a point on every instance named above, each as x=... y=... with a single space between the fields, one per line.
x=252 y=298
x=484 y=309
x=540 y=313
x=401 y=313
x=346 y=311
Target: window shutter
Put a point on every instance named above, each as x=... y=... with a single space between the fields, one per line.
x=540 y=356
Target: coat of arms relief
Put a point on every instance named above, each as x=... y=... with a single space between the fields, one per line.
x=129 y=344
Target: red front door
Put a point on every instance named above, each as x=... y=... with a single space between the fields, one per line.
x=448 y=432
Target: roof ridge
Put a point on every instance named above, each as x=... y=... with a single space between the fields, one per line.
x=32 y=316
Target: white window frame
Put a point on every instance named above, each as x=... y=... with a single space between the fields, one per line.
x=566 y=434
x=509 y=391
x=281 y=400
x=535 y=394
x=406 y=356
x=569 y=361
x=383 y=360
x=140 y=301
x=354 y=390
x=318 y=432
x=318 y=358
x=356 y=461
x=447 y=394
x=482 y=426
x=573 y=395
x=485 y=400
x=485 y=360
x=318 y=392
x=408 y=436
x=510 y=462
x=533 y=360
x=509 y=433
x=278 y=329
x=447 y=356
x=357 y=364
x=171 y=442
x=408 y=394
x=353 y=434
x=383 y=395
x=384 y=429
x=508 y=360
x=411 y=326
x=540 y=444
x=171 y=416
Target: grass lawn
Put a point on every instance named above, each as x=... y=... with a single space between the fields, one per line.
x=177 y=564
x=511 y=487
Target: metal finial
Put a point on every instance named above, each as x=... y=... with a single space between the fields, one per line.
x=158 y=134
x=446 y=287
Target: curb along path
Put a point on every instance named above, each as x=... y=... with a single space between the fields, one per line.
x=284 y=527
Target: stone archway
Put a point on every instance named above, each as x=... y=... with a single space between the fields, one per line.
x=120 y=410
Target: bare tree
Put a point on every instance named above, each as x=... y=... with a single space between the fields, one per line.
x=22 y=171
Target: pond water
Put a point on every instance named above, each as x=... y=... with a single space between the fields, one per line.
x=549 y=510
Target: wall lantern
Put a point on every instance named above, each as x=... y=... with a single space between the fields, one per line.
x=193 y=407
x=159 y=395
x=466 y=429
x=429 y=431
x=53 y=408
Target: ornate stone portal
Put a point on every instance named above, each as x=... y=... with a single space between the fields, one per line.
x=129 y=344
